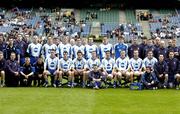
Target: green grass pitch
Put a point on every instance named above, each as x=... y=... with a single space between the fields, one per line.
x=88 y=101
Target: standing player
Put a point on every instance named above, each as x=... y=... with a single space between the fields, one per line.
x=141 y=47
x=135 y=65
x=77 y=47
x=148 y=47
x=22 y=47
x=90 y=48
x=103 y=47
x=2 y=44
x=12 y=48
x=108 y=65
x=119 y=47
x=46 y=49
x=2 y=69
x=173 y=65
x=51 y=67
x=66 y=69
x=161 y=50
x=79 y=68
x=122 y=64
x=64 y=47
x=132 y=47
x=161 y=71
x=34 y=50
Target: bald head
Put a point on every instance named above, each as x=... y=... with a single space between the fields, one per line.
x=162 y=44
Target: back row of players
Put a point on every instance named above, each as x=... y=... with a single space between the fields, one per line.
x=91 y=63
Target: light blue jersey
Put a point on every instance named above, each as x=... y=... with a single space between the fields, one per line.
x=66 y=65
x=136 y=64
x=103 y=48
x=122 y=64
x=108 y=65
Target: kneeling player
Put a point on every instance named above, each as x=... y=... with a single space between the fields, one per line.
x=26 y=73
x=122 y=66
x=95 y=76
x=51 y=68
x=107 y=66
x=66 y=69
x=79 y=68
x=149 y=79
x=89 y=66
x=135 y=65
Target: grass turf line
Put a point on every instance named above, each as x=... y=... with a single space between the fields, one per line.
x=88 y=101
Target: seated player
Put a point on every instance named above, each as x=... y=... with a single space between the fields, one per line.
x=135 y=65
x=2 y=69
x=96 y=77
x=161 y=71
x=178 y=77
x=51 y=68
x=39 y=68
x=12 y=71
x=26 y=73
x=66 y=69
x=149 y=79
x=108 y=70
x=89 y=66
x=149 y=60
x=79 y=68
x=122 y=68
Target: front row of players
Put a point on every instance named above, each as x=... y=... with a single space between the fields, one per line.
x=151 y=72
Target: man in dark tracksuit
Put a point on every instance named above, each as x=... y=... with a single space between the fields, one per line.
x=22 y=47
x=26 y=73
x=39 y=68
x=161 y=71
x=161 y=50
x=173 y=65
x=2 y=69
x=141 y=47
x=149 y=79
x=2 y=44
x=12 y=48
x=95 y=76
x=12 y=71
x=132 y=47
x=149 y=47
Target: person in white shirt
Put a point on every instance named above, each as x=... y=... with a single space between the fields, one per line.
x=122 y=65
x=51 y=68
x=103 y=47
x=135 y=65
x=66 y=68
x=46 y=49
x=34 y=50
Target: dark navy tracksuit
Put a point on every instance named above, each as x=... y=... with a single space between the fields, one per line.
x=173 y=65
x=11 y=68
x=131 y=50
x=161 y=68
x=148 y=78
